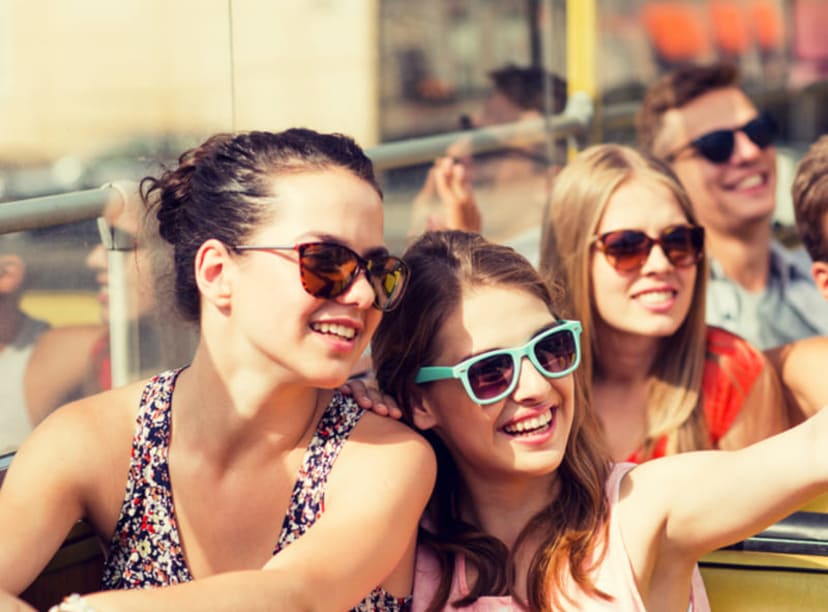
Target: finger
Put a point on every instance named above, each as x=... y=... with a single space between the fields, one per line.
x=435 y=222
x=463 y=212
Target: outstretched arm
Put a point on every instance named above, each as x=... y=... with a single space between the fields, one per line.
x=678 y=508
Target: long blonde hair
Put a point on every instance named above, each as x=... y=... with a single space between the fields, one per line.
x=577 y=203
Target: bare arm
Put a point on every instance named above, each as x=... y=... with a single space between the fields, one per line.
x=801 y=368
x=12 y=604
x=676 y=509
x=764 y=412
x=41 y=498
x=447 y=200
x=72 y=466
x=366 y=537
x=59 y=367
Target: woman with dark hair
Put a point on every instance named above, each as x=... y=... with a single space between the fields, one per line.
x=278 y=256
x=528 y=511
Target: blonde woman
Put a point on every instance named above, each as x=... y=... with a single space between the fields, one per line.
x=621 y=234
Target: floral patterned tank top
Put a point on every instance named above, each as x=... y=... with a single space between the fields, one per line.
x=145 y=550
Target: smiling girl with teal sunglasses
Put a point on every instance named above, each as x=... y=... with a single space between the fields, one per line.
x=528 y=511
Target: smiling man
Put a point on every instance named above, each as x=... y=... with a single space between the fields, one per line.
x=700 y=121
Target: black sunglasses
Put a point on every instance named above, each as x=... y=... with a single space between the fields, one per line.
x=628 y=250
x=717 y=146
x=328 y=269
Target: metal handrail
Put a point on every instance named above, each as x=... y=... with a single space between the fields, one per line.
x=60 y=209
x=575 y=119
x=74 y=206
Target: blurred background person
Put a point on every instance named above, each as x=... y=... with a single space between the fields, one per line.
x=19 y=333
x=500 y=193
x=153 y=338
x=801 y=364
x=698 y=119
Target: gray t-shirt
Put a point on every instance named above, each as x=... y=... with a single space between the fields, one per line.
x=790 y=308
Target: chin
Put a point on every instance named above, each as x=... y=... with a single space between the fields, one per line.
x=330 y=378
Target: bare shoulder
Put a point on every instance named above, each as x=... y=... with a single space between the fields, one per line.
x=67 y=343
x=381 y=443
x=385 y=432
x=85 y=435
x=59 y=366
x=800 y=366
x=100 y=412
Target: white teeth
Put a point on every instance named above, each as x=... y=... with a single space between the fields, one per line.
x=335 y=329
x=532 y=424
x=750 y=182
x=655 y=297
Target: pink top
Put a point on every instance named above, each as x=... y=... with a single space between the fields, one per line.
x=614 y=576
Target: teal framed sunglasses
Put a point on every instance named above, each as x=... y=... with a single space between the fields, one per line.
x=491 y=376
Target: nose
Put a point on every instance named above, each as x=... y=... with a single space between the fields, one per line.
x=656 y=261
x=96 y=260
x=744 y=148
x=360 y=291
x=532 y=386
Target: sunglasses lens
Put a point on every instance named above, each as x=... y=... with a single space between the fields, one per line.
x=626 y=249
x=557 y=351
x=716 y=146
x=388 y=276
x=683 y=245
x=327 y=269
x=761 y=130
x=491 y=376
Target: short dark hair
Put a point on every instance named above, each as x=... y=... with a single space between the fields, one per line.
x=223 y=189
x=526 y=87
x=810 y=199
x=675 y=89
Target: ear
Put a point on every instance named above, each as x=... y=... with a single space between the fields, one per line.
x=214 y=267
x=819 y=270
x=12 y=273
x=424 y=416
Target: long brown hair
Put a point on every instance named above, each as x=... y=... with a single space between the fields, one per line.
x=572 y=529
x=577 y=203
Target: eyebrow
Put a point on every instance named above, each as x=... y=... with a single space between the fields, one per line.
x=370 y=252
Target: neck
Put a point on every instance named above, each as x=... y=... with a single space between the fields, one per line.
x=622 y=357
x=745 y=259
x=229 y=412
x=503 y=508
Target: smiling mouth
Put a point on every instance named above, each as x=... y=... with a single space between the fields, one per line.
x=528 y=427
x=750 y=182
x=656 y=297
x=334 y=329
